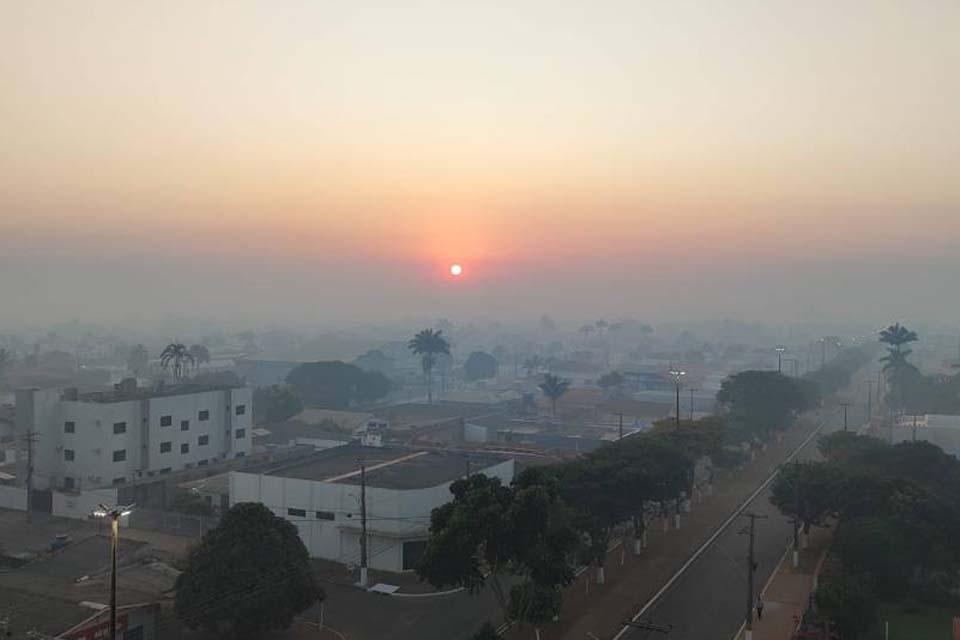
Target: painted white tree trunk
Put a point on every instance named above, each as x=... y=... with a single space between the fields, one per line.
x=601 y=575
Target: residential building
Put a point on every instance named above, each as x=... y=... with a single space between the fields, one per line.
x=321 y=496
x=90 y=440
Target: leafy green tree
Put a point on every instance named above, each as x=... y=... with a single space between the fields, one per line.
x=897 y=336
x=200 y=354
x=429 y=344
x=847 y=447
x=765 y=400
x=275 y=403
x=810 y=492
x=336 y=385
x=137 y=359
x=848 y=601
x=535 y=604
x=176 y=356
x=554 y=388
x=249 y=575
x=480 y=365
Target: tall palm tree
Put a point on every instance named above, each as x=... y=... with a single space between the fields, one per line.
x=428 y=344
x=176 y=354
x=897 y=335
x=554 y=387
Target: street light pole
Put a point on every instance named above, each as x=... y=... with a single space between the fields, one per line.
x=780 y=349
x=677 y=377
x=114 y=513
x=845 y=405
x=751 y=569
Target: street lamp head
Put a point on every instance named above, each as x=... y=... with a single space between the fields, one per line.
x=780 y=348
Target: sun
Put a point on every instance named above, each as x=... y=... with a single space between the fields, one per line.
x=456 y=270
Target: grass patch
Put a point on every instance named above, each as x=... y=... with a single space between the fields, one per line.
x=917 y=622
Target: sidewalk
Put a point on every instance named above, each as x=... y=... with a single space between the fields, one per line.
x=786 y=594
x=600 y=609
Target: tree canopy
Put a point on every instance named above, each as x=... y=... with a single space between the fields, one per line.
x=275 y=403
x=249 y=575
x=554 y=388
x=336 y=385
x=480 y=365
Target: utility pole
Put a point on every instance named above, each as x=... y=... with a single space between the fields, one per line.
x=363 y=525
x=620 y=437
x=869 y=400
x=751 y=569
x=677 y=377
x=844 y=405
x=114 y=513
x=691 y=402
x=780 y=349
x=796 y=517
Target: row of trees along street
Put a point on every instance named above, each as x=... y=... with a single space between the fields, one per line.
x=525 y=540
x=897 y=515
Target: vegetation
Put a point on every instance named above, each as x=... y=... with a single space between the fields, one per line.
x=336 y=385
x=898 y=510
x=554 y=388
x=429 y=344
x=137 y=359
x=757 y=403
x=249 y=575
x=480 y=365
x=176 y=356
x=611 y=381
x=200 y=354
x=486 y=632
x=275 y=403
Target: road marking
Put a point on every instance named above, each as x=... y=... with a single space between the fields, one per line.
x=723 y=527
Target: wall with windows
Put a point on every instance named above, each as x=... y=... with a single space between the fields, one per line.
x=80 y=445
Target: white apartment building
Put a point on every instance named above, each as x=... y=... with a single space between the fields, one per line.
x=90 y=440
x=321 y=496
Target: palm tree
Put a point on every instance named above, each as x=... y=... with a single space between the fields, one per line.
x=897 y=335
x=177 y=354
x=554 y=387
x=200 y=354
x=428 y=344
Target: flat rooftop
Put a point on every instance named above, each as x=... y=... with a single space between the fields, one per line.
x=142 y=393
x=389 y=467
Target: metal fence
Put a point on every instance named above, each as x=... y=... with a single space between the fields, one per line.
x=172 y=522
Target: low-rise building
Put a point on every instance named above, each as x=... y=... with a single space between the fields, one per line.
x=83 y=441
x=321 y=496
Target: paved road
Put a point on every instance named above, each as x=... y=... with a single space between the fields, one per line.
x=709 y=601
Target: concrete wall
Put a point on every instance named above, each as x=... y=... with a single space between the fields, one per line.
x=13 y=498
x=93 y=442
x=394 y=516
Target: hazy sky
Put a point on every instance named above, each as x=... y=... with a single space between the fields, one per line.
x=326 y=161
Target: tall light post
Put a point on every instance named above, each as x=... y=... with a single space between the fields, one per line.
x=677 y=375
x=780 y=349
x=114 y=513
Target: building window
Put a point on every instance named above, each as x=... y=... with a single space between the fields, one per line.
x=185 y=448
x=240 y=454
x=68 y=482
x=202 y=440
x=120 y=480
x=184 y=425
x=201 y=463
x=68 y=455
x=241 y=409
x=69 y=427
x=119 y=427
x=166 y=447
x=166 y=421
x=298 y=513
x=166 y=470
x=239 y=433
x=204 y=415
x=325 y=515
x=119 y=455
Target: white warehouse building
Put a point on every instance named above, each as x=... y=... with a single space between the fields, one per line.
x=321 y=496
x=90 y=440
